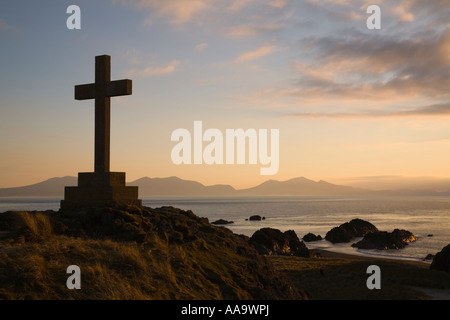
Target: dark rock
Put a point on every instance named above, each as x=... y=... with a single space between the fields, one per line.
x=337 y=235
x=429 y=257
x=269 y=241
x=430 y=235
x=441 y=260
x=311 y=237
x=222 y=221
x=383 y=240
x=255 y=218
x=349 y=230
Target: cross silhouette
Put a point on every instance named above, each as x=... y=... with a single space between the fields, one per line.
x=102 y=91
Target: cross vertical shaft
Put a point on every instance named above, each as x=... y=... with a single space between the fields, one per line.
x=102 y=114
x=102 y=91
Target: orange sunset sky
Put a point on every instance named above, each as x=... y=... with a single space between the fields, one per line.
x=349 y=102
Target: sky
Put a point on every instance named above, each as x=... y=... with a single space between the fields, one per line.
x=349 y=102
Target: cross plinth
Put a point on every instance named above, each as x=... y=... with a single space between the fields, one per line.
x=101 y=187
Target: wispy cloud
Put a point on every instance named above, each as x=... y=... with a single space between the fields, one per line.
x=177 y=11
x=151 y=71
x=403 y=11
x=433 y=110
x=237 y=5
x=255 y=54
x=417 y=66
x=278 y=3
x=201 y=47
x=366 y=71
x=231 y=18
x=248 y=30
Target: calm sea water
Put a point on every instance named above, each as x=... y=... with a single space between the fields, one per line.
x=423 y=216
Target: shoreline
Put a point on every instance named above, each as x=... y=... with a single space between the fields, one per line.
x=329 y=275
x=324 y=253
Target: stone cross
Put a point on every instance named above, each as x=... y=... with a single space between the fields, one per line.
x=101 y=188
x=102 y=91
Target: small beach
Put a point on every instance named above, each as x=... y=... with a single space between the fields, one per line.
x=339 y=276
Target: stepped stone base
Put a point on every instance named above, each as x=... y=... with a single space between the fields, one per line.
x=99 y=190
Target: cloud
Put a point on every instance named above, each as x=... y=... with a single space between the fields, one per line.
x=336 y=76
x=237 y=5
x=278 y=3
x=410 y=10
x=403 y=11
x=255 y=54
x=178 y=11
x=433 y=110
x=201 y=47
x=374 y=68
x=251 y=30
x=394 y=12
x=226 y=17
x=154 y=71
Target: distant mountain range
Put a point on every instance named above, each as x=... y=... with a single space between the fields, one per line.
x=174 y=186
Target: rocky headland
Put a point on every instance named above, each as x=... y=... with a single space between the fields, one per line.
x=132 y=253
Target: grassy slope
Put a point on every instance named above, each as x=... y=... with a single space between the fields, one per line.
x=136 y=253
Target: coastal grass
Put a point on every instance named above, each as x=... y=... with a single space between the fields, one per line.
x=119 y=270
x=344 y=278
x=182 y=257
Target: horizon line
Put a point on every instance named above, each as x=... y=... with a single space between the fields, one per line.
x=360 y=178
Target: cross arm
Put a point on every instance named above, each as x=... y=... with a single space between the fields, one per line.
x=113 y=89
x=119 y=88
x=85 y=91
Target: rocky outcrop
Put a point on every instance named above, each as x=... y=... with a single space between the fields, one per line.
x=162 y=253
x=309 y=237
x=269 y=241
x=221 y=222
x=383 y=240
x=441 y=260
x=428 y=257
x=255 y=218
x=349 y=230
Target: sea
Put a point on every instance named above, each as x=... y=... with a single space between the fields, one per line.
x=428 y=218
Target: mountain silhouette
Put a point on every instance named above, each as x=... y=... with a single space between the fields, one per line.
x=301 y=186
x=174 y=186
x=48 y=188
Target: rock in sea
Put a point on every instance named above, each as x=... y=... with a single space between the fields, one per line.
x=349 y=230
x=269 y=241
x=221 y=221
x=311 y=237
x=383 y=240
x=428 y=257
x=441 y=260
